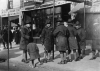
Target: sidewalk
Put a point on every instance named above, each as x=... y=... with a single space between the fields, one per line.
x=82 y=65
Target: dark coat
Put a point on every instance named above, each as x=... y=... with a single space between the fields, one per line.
x=47 y=38
x=24 y=38
x=72 y=38
x=17 y=36
x=5 y=36
x=33 y=51
x=61 y=33
x=81 y=38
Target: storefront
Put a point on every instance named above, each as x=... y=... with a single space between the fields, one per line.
x=40 y=15
x=12 y=14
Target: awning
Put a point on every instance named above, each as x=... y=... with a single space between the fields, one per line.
x=76 y=1
x=78 y=8
x=13 y=25
x=11 y=18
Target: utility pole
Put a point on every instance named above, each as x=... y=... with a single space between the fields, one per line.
x=8 y=27
x=84 y=15
x=53 y=20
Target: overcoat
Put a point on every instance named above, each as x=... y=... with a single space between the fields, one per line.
x=33 y=51
x=5 y=36
x=72 y=38
x=24 y=38
x=61 y=33
x=47 y=38
x=81 y=38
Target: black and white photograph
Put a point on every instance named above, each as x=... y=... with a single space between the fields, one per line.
x=49 y=35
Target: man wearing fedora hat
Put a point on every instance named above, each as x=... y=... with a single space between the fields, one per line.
x=24 y=40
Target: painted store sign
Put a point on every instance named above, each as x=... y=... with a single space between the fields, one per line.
x=12 y=12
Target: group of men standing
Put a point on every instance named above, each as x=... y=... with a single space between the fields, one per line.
x=7 y=36
x=69 y=39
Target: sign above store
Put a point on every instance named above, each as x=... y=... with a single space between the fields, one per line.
x=4 y=13
x=11 y=12
x=14 y=12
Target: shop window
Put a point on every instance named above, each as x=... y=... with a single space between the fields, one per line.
x=47 y=11
x=58 y=10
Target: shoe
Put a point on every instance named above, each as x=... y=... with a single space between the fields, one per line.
x=40 y=63
x=2 y=60
x=23 y=60
x=65 y=61
x=81 y=57
x=45 y=61
x=69 y=60
x=93 y=58
x=27 y=61
x=10 y=47
x=49 y=60
x=77 y=59
x=61 y=62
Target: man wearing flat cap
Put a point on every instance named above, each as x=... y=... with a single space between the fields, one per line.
x=24 y=41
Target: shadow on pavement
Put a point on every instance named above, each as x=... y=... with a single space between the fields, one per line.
x=12 y=54
x=2 y=60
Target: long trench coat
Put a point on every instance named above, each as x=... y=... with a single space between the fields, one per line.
x=24 y=38
x=72 y=38
x=33 y=51
x=81 y=38
x=47 y=38
x=61 y=33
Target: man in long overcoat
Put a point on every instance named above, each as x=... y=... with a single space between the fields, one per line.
x=81 y=39
x=48 y=40
x=61 y=33
x=24 y=40
x=72 y=40
x=6 y=35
